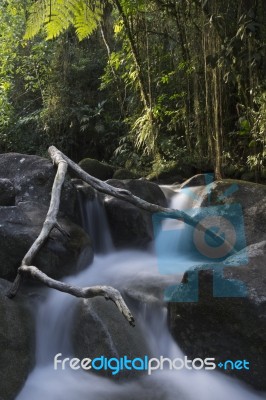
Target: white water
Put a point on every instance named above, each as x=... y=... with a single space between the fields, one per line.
x=174 y=241
x=119 y=269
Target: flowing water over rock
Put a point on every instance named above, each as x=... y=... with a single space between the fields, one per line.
x=122 y=270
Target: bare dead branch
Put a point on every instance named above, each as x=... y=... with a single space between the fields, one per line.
x=26 y=270
x=108 y=292
x=126 y=195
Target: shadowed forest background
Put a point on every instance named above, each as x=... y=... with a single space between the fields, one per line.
x=154 y=88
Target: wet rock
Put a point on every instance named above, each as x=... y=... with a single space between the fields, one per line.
x=27 y=183
x=7 y=193
x=99 y=329
x=231 y=328
x=17 y=342
x=20 y=225
x=131 y=226
x=252 y=199
x=32 y=179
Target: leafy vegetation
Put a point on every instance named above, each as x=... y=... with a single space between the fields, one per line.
x=149 y=86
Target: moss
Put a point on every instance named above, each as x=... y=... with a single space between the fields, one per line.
x=248 y=176
x=123 y=173
x=242 y=182
x=97 y=169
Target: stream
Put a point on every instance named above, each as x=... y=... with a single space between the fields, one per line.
x=119 y=269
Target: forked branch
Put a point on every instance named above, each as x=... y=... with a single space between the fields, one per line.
x=26 y=270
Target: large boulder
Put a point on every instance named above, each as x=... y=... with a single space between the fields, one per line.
x=227 y=328
x=7 y=193
x=26 y=183
x=97 y=169
x=131 y=226
x=17 y=342
x=59 y=256
x=99 y=329
x=250 y=196
x=31 y=179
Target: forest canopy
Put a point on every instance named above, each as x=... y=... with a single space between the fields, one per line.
x=147 y=85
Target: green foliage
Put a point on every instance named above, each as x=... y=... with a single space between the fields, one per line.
x=141 y=91
x=144 y=131
x=56 y=16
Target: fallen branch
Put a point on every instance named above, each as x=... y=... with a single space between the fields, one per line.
x=27 y=270
x=108 y=292
x=126 y=195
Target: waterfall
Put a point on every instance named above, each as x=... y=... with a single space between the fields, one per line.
x=94 y=222
x=54 y=322
x=174 y=242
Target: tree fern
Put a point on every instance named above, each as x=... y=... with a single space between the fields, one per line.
x=55 y=16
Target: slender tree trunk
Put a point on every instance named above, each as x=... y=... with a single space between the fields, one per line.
x=116 y=77
x=217 y=126
x=143 y=92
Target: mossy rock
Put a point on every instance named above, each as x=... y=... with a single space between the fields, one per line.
x=248 y=176
x=123 y=173
x=172 y=173
x=232 y=171
x=263 y=173
x=97 y=169
x=168 y=174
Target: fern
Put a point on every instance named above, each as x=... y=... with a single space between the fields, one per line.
x=36 y=18
x=55 y=16
x=145 y=131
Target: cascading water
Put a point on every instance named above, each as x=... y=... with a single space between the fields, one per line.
x=95 y=222
x=119 y=269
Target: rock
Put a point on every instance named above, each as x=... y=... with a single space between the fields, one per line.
x=173 y=173
x=7 y=193
x=17 y=343
x=231 y=171
x=101 y=330
x=196 y=180
x=19 y=227
x=84 y=189
x=32 y=179
x=248 y=176
x=168 y=175
x=130 y=226
x=251 y=197
x=228 y=328
x=26 y=183
x=150 y=289
x=124 y=174
x=263 y=173
x=96 y=168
